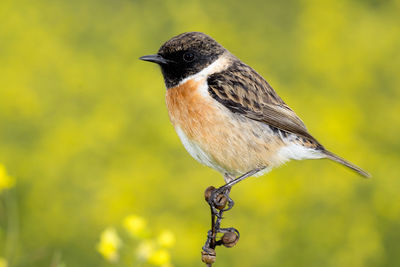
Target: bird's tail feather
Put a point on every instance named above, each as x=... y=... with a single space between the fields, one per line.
x=344 y=162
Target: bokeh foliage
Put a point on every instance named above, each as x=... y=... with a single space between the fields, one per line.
x=84 y=129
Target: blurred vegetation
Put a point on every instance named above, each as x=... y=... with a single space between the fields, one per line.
x=85 y=132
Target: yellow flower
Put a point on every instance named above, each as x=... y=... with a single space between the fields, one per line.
x=6 y=181
x=166 y=239
x=145 y=249
x=3 y=262
x=160 y=257
x=135 y=225
x=109 y=244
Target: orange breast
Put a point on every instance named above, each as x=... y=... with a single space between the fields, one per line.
x=232 y=144
x=189 y=110
x=199 y=123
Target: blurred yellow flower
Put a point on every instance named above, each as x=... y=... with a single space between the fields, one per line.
x=150 y=249
x=166 y=239
x=135 y=225
x=160 y=257
x=145 y=249
x=3 y=262
x=109 y=244
x=6 y=181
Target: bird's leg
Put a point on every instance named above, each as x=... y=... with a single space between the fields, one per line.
x=240 y=178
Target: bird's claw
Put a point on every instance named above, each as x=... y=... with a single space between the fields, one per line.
x=219 y=200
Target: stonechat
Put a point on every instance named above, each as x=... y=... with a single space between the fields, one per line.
x=227 y=115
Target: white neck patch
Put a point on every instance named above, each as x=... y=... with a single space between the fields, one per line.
x=218 y=65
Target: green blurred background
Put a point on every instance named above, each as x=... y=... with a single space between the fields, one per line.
x=84 y=130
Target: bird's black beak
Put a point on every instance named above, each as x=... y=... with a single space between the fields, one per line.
x=155 y=58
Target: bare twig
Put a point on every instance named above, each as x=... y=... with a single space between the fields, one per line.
x=218 y=201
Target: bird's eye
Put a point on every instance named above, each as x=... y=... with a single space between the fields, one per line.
x=188 y=57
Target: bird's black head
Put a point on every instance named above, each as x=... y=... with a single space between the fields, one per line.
x=184 y=55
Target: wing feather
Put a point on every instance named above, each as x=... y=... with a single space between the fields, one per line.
x=242 y=90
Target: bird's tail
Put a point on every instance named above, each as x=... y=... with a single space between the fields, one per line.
x=344 y=162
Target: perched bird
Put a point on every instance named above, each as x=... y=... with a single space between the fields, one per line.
x=227 y=115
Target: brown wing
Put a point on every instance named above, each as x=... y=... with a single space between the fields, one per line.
x=242 y=90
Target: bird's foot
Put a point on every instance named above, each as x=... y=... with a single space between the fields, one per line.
x=219 y=200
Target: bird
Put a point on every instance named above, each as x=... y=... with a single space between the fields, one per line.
x=227 y=116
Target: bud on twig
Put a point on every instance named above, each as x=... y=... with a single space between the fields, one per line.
x=208 y=256
x=230 y=239
x=208 y=193
x=220 y=201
